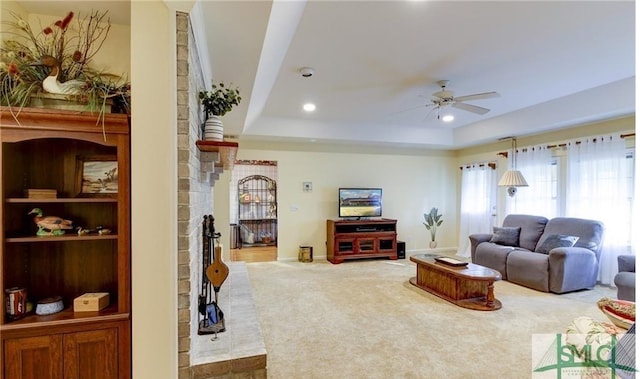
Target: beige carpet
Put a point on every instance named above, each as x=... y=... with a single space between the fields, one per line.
x=362 y=319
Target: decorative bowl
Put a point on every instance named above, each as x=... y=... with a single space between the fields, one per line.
x=49 y=306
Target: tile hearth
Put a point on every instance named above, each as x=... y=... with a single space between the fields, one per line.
x=240 y=349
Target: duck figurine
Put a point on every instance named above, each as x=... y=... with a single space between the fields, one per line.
x=50 y=225
x=51 y=83
x=83 y=232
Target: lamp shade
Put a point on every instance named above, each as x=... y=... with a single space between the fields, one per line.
x=513 y=178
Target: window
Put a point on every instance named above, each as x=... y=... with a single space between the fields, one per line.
x=592 y=178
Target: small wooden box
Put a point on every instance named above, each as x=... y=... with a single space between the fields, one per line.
x=305 y=254
x=91 y=302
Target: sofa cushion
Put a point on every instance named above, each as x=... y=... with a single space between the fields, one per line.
x=493 y=256
x=626 y=284
x=508 y=236
x=528 y=269
x=591 y=232
x=531 y=228
x=555 y=240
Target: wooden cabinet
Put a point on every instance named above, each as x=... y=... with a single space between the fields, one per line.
x=88 y=354
x=354 y=239
x=85 y=160
x=33 y=357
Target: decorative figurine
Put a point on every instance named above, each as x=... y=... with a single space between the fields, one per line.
x=82 y=231
x=51 y=83
x=104 y=231
x=50 y=225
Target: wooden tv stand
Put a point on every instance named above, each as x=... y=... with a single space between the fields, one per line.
x=354 y=239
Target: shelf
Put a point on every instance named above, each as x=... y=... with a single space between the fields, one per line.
x=24 y=200
x=53 y=124
x=65 y=317
x=63 y=238
x=58 y=151
x=259 y=190
x=226 y=150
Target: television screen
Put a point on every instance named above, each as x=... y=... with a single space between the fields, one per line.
x=360 y=202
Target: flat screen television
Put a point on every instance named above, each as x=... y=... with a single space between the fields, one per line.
x=359 y=202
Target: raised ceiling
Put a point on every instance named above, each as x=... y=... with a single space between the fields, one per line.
x=555 y=64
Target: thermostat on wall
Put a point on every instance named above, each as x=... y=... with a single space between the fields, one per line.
x=307 y=186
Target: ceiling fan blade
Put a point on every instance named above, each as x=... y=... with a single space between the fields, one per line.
x=478 y=96
x=429 y=114
x=411 y=109
x=470 y=108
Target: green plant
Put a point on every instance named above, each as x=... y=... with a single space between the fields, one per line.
x=73 y=47
x=432 y=221
x=219 y=100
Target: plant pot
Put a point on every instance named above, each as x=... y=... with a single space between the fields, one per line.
x=213 y=129
x=65 y=102
x=433 y=244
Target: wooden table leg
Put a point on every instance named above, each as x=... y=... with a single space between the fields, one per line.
x=490 y=295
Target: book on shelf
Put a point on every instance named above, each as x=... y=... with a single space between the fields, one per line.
x=40 y=193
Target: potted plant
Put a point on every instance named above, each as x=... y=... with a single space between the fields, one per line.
x=69 y=51
x=217 y=103
x=432 y=221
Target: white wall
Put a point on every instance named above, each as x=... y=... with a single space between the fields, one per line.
x=412 y=185
x=153 y=191
x=221 y=196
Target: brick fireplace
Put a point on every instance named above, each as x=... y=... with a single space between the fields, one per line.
x=240 y=350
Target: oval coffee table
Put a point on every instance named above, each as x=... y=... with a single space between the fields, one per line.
x=469 y=286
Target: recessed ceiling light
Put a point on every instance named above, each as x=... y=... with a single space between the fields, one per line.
x=447 y=118
x=306 y=72
x=309 y=107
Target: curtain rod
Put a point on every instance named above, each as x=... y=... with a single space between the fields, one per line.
x=506 y=153
x=490 y=164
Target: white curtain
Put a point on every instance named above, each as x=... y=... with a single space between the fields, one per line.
x=477 y=205
x=600 y=187
x=540 y=171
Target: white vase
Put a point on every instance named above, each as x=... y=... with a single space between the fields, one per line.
x=213 y=129
x=433 y=244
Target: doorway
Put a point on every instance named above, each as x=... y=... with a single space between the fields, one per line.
x=254 y=211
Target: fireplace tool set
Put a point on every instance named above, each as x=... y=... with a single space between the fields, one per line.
x=214 y=273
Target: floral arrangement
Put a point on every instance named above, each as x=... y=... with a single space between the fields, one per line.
x=219 y=100
x=73 y=45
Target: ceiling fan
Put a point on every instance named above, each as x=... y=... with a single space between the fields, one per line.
x=444 y=98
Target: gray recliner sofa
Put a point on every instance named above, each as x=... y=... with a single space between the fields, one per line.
x=537 y=254
x=625 y=279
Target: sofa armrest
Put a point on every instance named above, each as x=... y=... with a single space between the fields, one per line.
x=477 y=239
x=571 y=269
x=626 y=263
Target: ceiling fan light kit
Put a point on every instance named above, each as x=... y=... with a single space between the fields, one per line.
x=444 y=98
